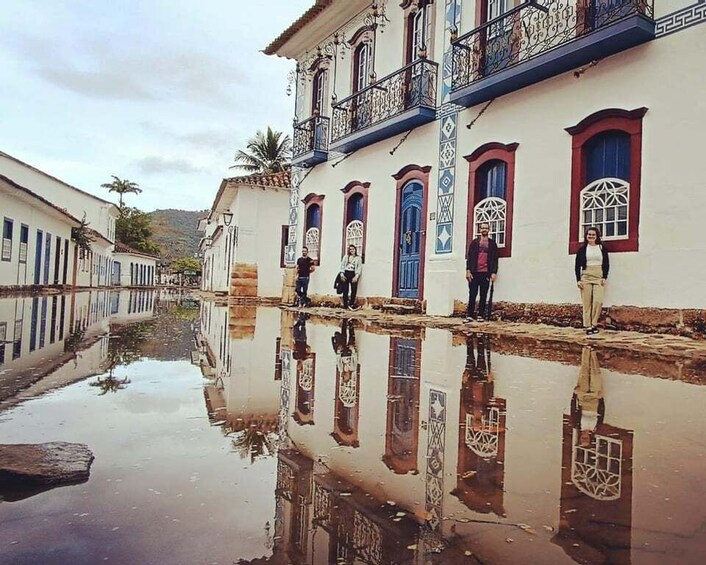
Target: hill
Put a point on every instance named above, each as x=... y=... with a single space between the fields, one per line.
x=175 y=232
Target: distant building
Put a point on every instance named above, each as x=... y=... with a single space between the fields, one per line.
x=415 y=121
x=132 y=267
x=38 y=247
x=242 y=244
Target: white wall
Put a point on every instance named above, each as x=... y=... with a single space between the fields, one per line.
x=665 y=272
x=36 y=217
x=143 y=269
x=99 y=213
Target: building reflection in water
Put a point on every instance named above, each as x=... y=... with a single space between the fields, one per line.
x=241 y=361
x=347 y=405
x=358 y=495
x=402 y=430
x=481 y=458
x=305 y=371
x=322 y=518
x=596 y=475
x=65 y=337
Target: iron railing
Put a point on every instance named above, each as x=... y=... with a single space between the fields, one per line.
x=532 y=28
x=310 y=135
x=412 y=86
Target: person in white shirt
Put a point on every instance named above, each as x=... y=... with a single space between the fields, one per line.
x=351 y=269
x=591 y=269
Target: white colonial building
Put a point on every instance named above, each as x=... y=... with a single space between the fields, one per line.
x=39 y=212
x=243 y=238
x=132 y=267
x=416 y=120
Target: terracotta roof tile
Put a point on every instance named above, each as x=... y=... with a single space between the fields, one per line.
x=279 y=180
x=122 y=248
x=309 y=16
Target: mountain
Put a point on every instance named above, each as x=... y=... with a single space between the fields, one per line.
x=175 y=232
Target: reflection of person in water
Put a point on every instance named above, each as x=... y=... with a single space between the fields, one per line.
x=301 y=348
x=587 y=404
x=343 y=343
x=477 y=365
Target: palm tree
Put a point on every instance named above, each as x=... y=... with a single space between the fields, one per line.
x=266 y=153
x=122 y=187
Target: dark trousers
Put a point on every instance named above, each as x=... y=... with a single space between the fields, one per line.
x=350 y=289
x=301 y=289
x=480 y=281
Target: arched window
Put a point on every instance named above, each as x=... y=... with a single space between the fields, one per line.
x=361 y=66
x=605 y=177
x=318 y=93
x=490 y=194
x=355 y=211
x=313 y=211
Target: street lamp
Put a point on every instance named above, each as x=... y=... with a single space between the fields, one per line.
x=227 y=217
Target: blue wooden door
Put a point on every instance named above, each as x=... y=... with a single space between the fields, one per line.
x=409 y=240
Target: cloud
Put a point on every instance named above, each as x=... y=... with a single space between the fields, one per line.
x=215 y=138
x=157 y=165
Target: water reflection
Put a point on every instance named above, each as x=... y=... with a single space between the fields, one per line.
x=535 y=469
x=51 y=341
x=481 y=459
x=597 y=464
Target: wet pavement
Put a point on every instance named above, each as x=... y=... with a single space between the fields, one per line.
x=243 y=434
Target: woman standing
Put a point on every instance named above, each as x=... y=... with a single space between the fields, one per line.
x=591 y=268
x=351 y=269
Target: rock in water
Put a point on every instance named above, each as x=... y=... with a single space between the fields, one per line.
x=51 y=463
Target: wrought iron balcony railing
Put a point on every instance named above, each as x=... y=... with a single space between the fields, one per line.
x=533 y=28
x=310 y=136
x=413 y=86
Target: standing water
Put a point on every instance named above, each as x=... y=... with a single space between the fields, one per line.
x=249 y=435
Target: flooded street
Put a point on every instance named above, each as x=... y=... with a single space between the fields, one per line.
x=253 y=435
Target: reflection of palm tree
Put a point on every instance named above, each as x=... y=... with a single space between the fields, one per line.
x=253 y=443
x=110 y=384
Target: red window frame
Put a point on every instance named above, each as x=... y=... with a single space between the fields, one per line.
x=311 y=200
x=493 y=151
x=351 y=189
x=613 y=119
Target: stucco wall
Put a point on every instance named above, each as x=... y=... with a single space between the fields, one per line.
x=36 y=218
x=665 y=272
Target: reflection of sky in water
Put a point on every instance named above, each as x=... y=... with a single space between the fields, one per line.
x=165 y=486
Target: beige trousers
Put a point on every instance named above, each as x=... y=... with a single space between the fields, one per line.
x=592 y=294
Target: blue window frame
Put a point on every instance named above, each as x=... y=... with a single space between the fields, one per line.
x=492 y=180
x=38 y=257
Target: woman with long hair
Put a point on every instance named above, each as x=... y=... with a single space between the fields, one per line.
x=591 y=268
x=351 y=269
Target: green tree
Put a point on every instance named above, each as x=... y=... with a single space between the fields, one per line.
x=122 y=186
x=265 y=153
x=185 y=264
x=134 y=228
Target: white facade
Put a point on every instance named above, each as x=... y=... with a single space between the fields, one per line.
x=255 y=207
x=36 y=239
x=526 y=129
x=52 y=258
x=132 y=268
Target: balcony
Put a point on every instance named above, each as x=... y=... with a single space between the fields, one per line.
x=399 y=102
x=310 y=145
x=535 y=41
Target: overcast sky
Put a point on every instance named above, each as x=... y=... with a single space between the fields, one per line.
x=161 y=92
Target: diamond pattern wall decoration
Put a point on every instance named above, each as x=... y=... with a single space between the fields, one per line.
x=436 y=443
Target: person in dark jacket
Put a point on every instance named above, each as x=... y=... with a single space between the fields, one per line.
x=481 y=270
x=591 y=268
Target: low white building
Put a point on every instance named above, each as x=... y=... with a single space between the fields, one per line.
x=37 y=246
x=415 y=121
x=45 y=254
x=132 y=267
x=243 y=238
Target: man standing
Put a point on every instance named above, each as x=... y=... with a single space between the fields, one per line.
x=305 y=266
x=481 y=269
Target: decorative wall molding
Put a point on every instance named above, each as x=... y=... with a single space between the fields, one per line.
x=681 y=19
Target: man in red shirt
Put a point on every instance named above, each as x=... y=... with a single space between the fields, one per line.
x=481 y=269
